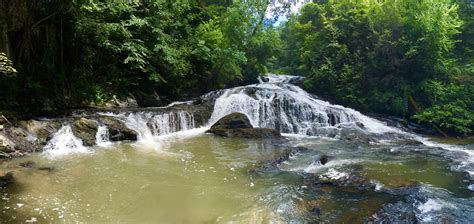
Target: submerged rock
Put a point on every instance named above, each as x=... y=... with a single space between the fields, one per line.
x=28 y=164
x=86 y=130
x=6 y=180
x=238 y=125
x=272 y=165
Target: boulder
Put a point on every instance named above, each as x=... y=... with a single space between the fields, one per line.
x=323 y=159
x=27 y=164
x=118 y=130
x=85 y=129
x=115 y=102
x=272 y=165
x=42 y=129
x=7 y=147
x=6 y=180
x=238 y=125
x=253 y=133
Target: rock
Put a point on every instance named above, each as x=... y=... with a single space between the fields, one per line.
x=121 y=103
x=46 y=168
x=118 y=130
x=272 y=165
x=42 y=129
x=264 y=79
x=86 y=130
x=232 y=121
x=323 y=159
x=253 y=133
x=238 y=125
x=28 y=164
x=6 y=145
x=6 y=180
x=360 y=125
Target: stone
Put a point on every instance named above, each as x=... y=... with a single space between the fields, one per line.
x=85 y=129
x=238 y=125
x=232 y=121
x=42 y=129
x=28 y=164
x=272 y=165
x=6 y=145
x=323 y=159
x=117 y=129
x=6 y=180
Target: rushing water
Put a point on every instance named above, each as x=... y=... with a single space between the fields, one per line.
x=175 y=173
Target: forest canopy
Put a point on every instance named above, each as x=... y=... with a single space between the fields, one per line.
x=407 y=58
x=403 y=57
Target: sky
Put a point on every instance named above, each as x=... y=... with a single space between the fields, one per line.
x=295 y=7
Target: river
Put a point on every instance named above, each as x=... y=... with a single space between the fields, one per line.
x=176 y=173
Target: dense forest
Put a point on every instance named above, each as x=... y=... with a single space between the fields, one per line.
x=408 y=58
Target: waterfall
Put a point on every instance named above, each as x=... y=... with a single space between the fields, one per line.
x=279 y=105
x=64 y=142
x=102 y=136
x=152 y=124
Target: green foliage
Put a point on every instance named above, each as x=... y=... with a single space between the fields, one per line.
x=75 y=53
x=374 y=55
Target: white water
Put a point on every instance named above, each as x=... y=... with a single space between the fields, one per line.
x=102 y=136
x=273 y=104
x=151 y=124
x=289 y=109
x=63 y=143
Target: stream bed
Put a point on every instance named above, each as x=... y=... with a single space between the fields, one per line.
x=200 y=178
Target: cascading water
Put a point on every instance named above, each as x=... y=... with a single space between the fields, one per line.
x=279 y=105
x=102 y=136
x=150 y=124
x=64 y=142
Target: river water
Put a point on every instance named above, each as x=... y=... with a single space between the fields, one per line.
x=175 y=173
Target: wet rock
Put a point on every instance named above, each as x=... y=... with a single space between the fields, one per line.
x=272 y=165
x=323 y=159
x=238 y=125
x=46 y=168
x=117 y=129
x=121 y=103
x=264 y=79
x=85 y=129
x=6 y=180
x=41 y=129
x=232 y=121
x=360 y=125
x=12 y=146
x=6 y=145
x=412 y=142
x=402 y=188
x=253 y=133
x=28 y=164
